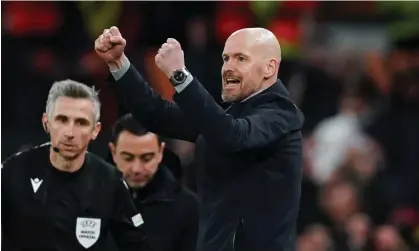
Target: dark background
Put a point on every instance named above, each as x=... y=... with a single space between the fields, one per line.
x=352 y=67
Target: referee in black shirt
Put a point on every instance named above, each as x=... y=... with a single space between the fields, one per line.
x=60 y=197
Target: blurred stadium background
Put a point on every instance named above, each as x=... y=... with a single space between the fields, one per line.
x=352 y=67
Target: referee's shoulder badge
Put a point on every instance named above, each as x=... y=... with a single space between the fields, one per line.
x=137 y=220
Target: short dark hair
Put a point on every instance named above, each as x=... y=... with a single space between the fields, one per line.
x=130 y=124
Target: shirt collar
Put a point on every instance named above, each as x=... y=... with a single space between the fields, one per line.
x=254 y=94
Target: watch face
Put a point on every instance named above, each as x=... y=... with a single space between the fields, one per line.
x=179 y=76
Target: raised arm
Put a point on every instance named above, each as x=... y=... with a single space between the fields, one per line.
x=266 y=123
x=148 y=107
x=158 y=115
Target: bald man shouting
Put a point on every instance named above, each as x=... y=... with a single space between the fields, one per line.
x=249 y=156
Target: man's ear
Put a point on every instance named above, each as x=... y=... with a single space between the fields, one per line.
x=162 y=146
x=96 y=130
x=112 y=149
x=270 y=68
x=45 y=122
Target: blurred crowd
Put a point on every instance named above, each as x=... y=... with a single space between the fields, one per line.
x=360 y=187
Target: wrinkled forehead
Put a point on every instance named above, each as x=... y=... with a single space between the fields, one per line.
x=73 y=108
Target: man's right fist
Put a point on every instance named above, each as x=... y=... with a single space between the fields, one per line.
x=110 y=46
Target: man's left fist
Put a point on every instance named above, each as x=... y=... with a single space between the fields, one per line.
x=170 y=57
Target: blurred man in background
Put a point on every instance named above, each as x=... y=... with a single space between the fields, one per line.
x=170 y=209
x=387 y=238
x=316 y=237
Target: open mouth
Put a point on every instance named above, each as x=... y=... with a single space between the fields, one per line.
x=232 y=81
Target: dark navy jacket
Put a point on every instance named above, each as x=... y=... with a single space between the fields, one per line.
x=249 y=159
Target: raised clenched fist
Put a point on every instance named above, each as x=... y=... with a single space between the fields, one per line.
x=170 y=57
x=110 y=45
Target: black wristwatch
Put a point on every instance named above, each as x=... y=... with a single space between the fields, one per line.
x=179 y=76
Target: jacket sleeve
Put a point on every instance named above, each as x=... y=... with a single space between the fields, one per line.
x=127 y=225
x=158 y=115
x=268 y=123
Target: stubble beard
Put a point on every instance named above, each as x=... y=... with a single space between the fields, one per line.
x=243 y=94
x=228 y=98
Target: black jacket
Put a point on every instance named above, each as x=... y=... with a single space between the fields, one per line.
x=47 y=209
x=250 y=159
x=171 y=213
